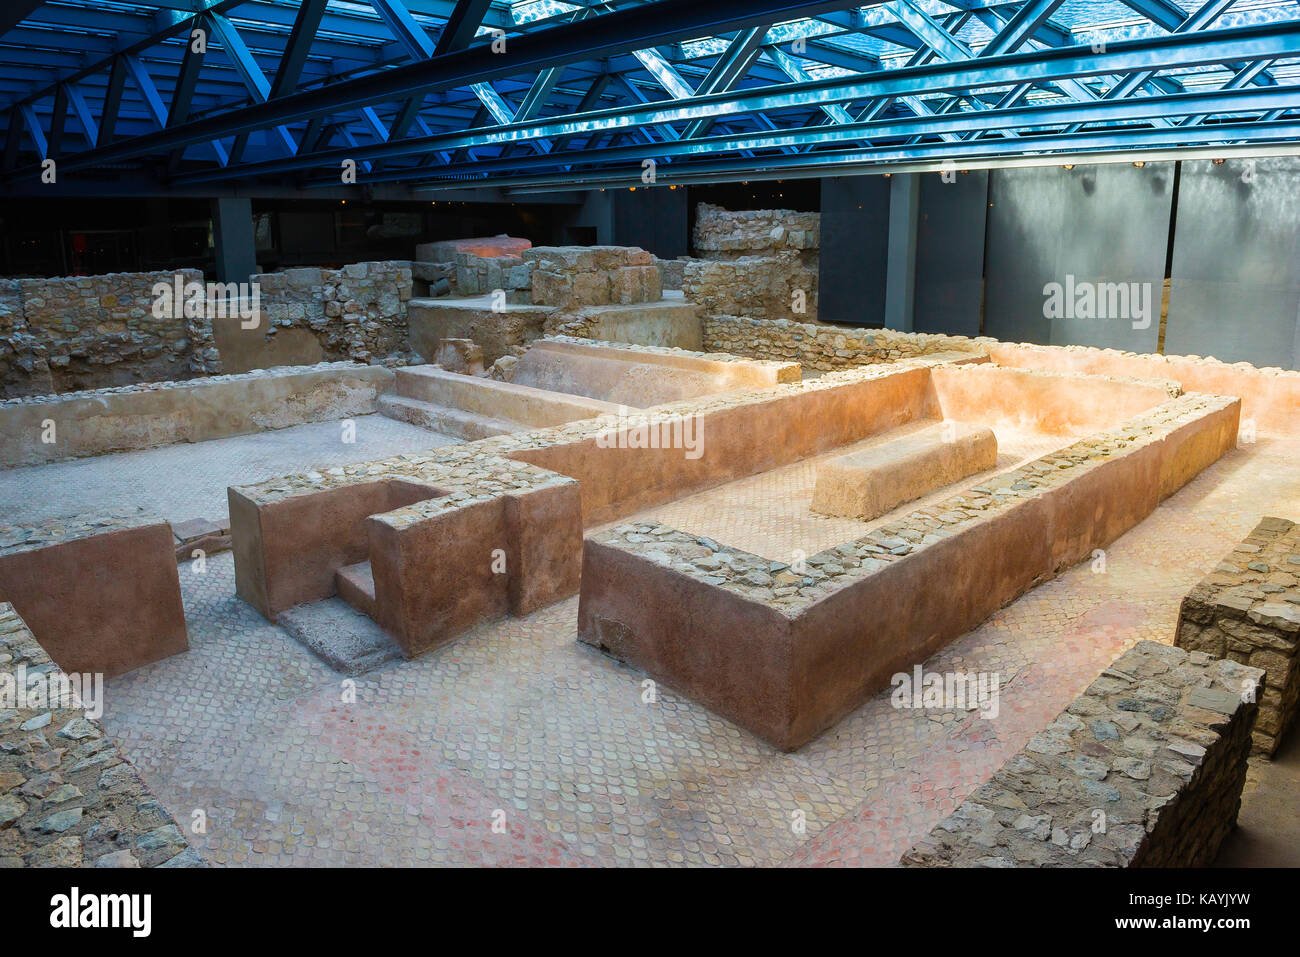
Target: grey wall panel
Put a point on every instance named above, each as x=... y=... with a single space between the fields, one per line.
x=1235 y=284
x=654 y=218
x=950 y=253
x=1098 y=228
x=854 y=241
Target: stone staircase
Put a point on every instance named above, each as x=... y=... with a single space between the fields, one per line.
x=356 y=586
x=342 y=630
x=429 y=403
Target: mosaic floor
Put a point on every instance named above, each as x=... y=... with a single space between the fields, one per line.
x=517 y=745
x=187 y=481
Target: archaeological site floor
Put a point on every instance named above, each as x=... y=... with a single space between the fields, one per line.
x=517 y=715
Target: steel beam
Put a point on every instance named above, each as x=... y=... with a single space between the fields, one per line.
x=1042 y=66
x=595 y=37
x=1048 y=117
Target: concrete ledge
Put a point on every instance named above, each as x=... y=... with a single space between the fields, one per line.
x=1270 y=397
x=68 y=798
x=1248 y=610
x=641 y=377
x=1144 y=769
x=870 y=482
x=101 y=592
x=196 y=410
x=513 y=402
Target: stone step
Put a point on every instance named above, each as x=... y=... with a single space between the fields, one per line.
x=356 y=586
x=341 y=636
x=454 y=422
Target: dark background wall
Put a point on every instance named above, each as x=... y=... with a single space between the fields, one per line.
x=1226 y=235
x=950 y=252
x=1235 y=284
x=1099 y=224
x=654 y=219
x=61 y=237
x=854 y=245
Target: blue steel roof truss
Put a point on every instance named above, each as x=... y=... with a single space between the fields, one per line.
x=537 y=94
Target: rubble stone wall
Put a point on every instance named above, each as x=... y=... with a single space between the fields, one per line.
x=724 y=234
x=68 y=797
x=754 y=262
x=1248 y=610
x=481 y=276
x=823 y=347
x=1144 y=769
x=570 y=277
x=76 y=333
x=357 y=312
x=779 y=286
x=79 y=332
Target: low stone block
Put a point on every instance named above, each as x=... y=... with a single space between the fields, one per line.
x=100 y=591
x=460 y=355
x=1248 y=609
x=872 y=481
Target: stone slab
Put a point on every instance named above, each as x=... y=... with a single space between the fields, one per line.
x=342 y=637
x=485 y=247
x=101 y=592
x=869 y=482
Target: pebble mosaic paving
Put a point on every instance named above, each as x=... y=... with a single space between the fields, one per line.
x=517 y=725
x=186 y=481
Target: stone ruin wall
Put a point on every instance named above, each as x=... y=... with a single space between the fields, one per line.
x=572 y=277
x=75 y=333
x=80 y=332
x=1158 y=744
x=726 y=235
x=822 y=347
x=754 y=263
x=357 y=312
x=566 y=277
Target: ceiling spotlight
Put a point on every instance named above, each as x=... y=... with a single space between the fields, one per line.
x=1139 y=163
x=1068 y=166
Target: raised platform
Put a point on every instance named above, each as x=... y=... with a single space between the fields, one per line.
x=640 y=377
x=474 y=407
x=785 y=651
x=1144 y=769
x=499 y=332
x=344 y=638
